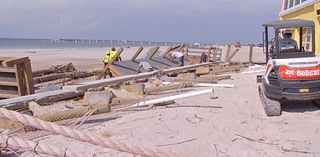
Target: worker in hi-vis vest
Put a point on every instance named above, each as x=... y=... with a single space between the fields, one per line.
x=106 y=59
x=113 y=53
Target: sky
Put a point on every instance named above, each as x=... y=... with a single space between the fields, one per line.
x=205 y=21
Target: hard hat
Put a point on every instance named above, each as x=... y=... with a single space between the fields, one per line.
x=107 y=52
x=287 y=32
x=113 y=49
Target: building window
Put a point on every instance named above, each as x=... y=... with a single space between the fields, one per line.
x=285 y=4
x=290 y=3
x=306 y=38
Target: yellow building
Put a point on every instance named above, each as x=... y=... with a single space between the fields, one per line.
x=303 y=9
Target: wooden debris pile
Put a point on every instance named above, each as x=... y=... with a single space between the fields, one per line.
x=58 y=72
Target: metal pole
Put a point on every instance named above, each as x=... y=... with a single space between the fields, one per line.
x=267 y=53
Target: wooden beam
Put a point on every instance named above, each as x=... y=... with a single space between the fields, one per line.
x=11 y=62
x=19 y=79
x=7 y=69
x=230 y=57
x=228 y=51
x=8 y=95
x=250 y=54
x=136 y=54
x=154 y=52
x=167 y=51
x=181 y=47
x=115 y=71
x=26 y=68
x=8 y=83
x=186 y=50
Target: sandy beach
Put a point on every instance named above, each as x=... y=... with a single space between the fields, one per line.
x=232 y=124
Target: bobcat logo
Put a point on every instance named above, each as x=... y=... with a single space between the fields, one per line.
x=289 y=72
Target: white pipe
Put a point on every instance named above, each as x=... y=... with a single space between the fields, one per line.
x=214 y=85
x=155 y=101
x=248 y=72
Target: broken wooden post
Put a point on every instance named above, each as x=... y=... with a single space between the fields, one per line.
x=136 y=54
x=167 y=51
x=181 y=47
x=250 y=54
x=111 y=62
x=230 y=57
x=164 y=67
x=209 y=52
x=186 y=50
x=228 y=51
x=154 y=52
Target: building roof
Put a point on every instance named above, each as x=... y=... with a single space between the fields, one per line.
x=289 y=23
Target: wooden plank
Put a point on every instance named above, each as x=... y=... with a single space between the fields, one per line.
x=181 y=47
x=8 y=95
x=26 y=67
x=115 y=71
x=154 y=52
x=250 y=54
x=8 y=83
x=230 y=57
x=7 y=69
x=186 y=50
x=136 y=54
x=167 y=51
x=228 y=51
x=4 y=58
x=19 y=78
x=11 y=62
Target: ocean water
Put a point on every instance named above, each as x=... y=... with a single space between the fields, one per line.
x=19 y=43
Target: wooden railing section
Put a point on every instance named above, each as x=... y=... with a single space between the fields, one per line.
x=15 y=77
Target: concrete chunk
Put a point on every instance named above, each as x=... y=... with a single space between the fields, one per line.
x=202 y=70
x=98 y=97
x=135 y=88
x=37 y=109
